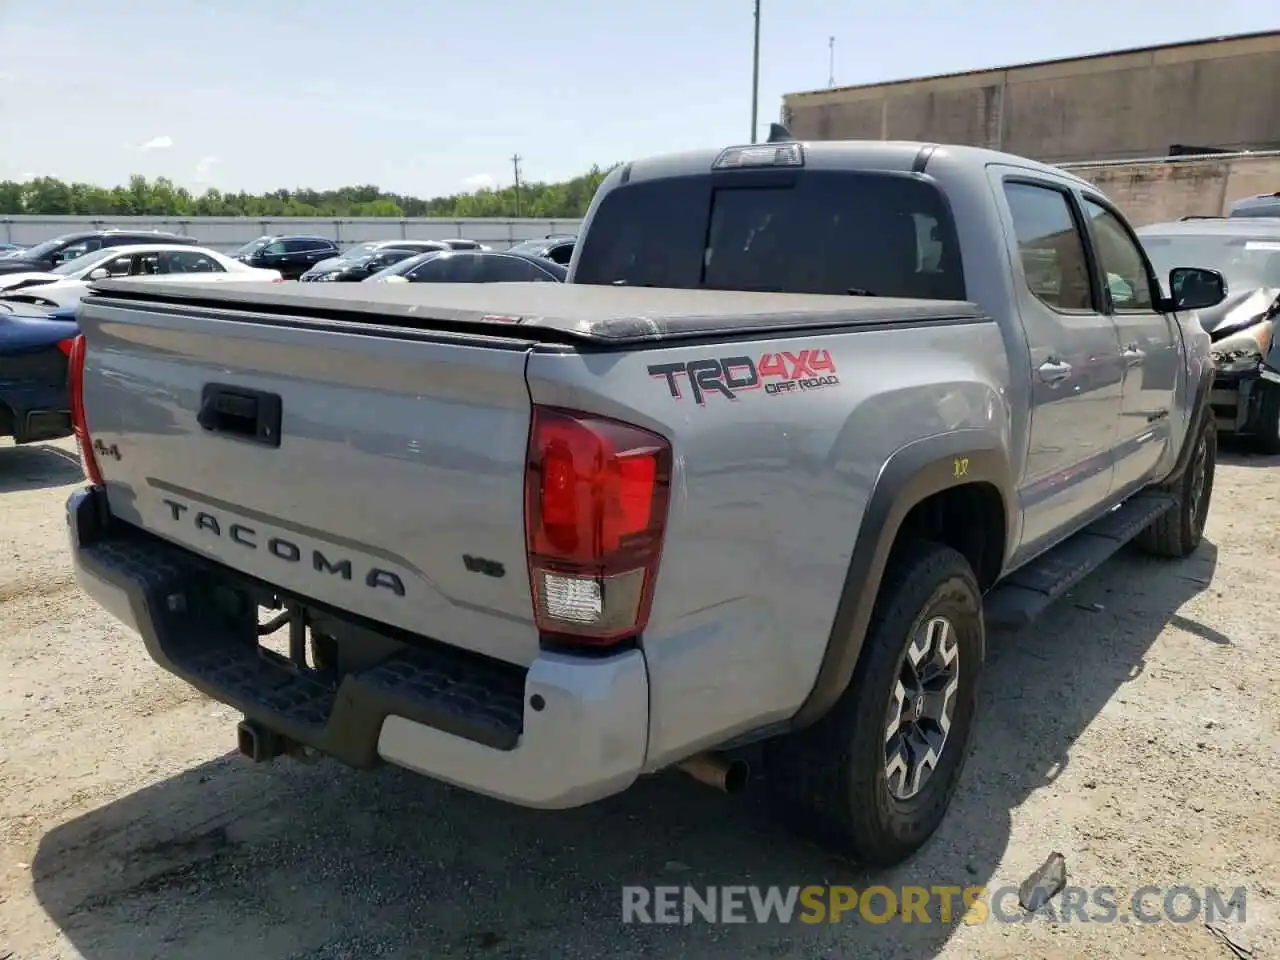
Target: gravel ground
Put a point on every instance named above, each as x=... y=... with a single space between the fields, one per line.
x=1135 y=731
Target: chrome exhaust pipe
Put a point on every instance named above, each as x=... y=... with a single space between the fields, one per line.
x=725 y=775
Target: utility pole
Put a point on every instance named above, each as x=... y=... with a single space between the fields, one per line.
x=831 y=75
x=515 y=165
x=755 y=76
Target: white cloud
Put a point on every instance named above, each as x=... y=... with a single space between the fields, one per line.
x=157 y=143
x=478 y=181
x=205 y=169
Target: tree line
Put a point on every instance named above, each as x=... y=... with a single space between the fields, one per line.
x=162 y=198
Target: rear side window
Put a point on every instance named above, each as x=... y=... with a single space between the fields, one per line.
x=306 y=245
x=827 y=232
x=433 y=271
x=561 y=254
x=1050 y=246
x=187 y=261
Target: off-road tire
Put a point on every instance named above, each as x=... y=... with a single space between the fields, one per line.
x=1178 y=531
x=827 y=782
x=1267 y=439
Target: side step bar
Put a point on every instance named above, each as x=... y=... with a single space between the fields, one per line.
x=1021 y=598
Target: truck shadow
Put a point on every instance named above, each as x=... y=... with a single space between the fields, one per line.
x=291 y=861
x=37 y=467
x=1242 y=452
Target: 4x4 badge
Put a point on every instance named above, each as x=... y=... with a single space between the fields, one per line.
x=102 y=450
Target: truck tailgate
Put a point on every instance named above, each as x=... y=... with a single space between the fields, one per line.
x=391 y=488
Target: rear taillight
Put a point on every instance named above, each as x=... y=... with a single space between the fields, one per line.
x=66 y=345
x=596 y=495
x=75 y=390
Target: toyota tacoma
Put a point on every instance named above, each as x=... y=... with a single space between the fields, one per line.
x=806 y=421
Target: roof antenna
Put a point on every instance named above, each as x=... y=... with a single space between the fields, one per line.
x=779 y=134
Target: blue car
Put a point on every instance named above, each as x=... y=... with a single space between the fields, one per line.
x=34 y=347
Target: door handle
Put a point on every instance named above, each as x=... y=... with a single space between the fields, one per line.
x=1134 y=355
x=252 y=415
x=1054 y=371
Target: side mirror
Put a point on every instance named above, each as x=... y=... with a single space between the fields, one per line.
x=98 y=273
x=1195 y=288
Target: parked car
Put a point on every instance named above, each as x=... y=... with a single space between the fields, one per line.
x=66 y=284
x=461 y=243
x=557 y=248
x=1263 y=205
x=366 y=259
x=643 y=517
x=292 y=255
x=70 y=246
x=34 y=346
x=465 y=266
x=1246 y=350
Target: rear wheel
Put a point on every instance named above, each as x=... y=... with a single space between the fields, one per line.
x=1178 y=531
x=874 y=777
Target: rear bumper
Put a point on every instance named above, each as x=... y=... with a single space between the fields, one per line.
x=563 y=733
x=1236 y=400
x=40 y=412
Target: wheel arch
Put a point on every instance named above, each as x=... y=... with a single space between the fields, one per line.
x=918 y=479
x=1200 y=409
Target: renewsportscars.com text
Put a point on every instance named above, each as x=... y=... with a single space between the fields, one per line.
x=935 y=904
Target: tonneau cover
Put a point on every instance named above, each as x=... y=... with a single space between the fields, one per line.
x=573 y=312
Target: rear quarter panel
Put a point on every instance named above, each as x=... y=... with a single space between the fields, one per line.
x=767 y=500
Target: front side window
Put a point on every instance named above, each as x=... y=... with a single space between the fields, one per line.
x=386 y=258
x=830 y=232
x=463 y=268
x=433 y=271
x=508 y=270
x=361 y=251
x=253 y=246
x=120 y=266
x=1122 y=262
x=1050 y=246
x=81 y=264
x=78 y=249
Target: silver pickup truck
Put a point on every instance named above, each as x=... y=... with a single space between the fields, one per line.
x=805 y=422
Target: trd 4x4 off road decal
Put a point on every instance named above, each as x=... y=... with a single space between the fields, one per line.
x=776 y=373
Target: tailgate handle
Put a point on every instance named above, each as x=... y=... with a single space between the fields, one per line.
x=252 y=415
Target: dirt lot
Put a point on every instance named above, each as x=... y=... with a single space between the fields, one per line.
x=1135 y=730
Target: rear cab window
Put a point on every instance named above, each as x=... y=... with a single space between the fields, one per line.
x=825 y=232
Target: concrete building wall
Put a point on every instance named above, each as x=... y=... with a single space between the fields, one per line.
x=1221 y=93
x=1159 y=192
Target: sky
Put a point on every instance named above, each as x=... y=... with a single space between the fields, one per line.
x=433 y=97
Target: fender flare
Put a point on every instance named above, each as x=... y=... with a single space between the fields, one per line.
x=910 y=475
x=1200 y=408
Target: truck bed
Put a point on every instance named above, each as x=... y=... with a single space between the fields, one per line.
x=580 y=314
x=382 y=462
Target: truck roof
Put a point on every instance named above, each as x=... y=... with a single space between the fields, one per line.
x=895 y=155
x=583 y=313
